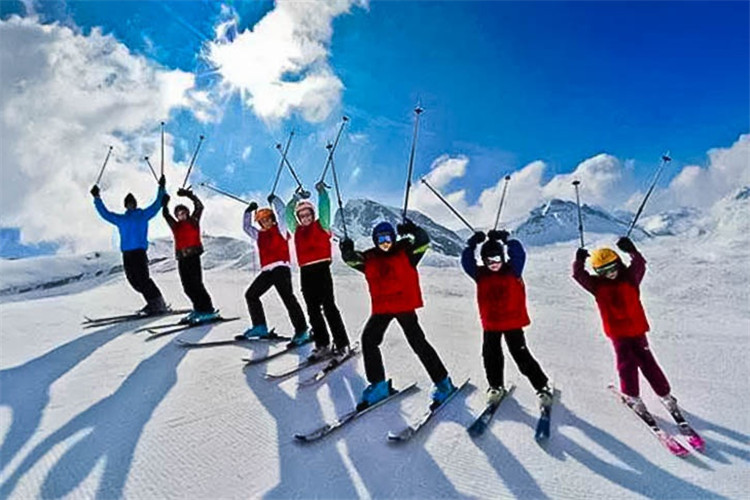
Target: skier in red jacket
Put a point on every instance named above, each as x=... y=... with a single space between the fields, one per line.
x=501 y=295
x=390 y=269
x=616 y=288
x=188 y=249
x=273 y=248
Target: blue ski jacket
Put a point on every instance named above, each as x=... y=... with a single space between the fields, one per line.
x=133 y=224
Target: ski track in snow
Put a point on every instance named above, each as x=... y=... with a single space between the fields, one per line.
x=101 y=413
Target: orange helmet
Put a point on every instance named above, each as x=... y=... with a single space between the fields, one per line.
x=262 y=213
x=603 y=257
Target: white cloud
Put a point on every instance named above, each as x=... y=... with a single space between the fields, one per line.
x=281 y=65
x=64 y=98
x=246 y=153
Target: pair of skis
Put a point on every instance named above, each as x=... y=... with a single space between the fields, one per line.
x=124 y=318
x=171 y=328
x=395 y=437
x=667 y=440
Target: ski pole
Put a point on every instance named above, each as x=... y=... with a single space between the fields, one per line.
x=664 y=160
x=192 y=160
x=580 y=218
x=338 y=196
x=332 y=149
x=162 y=148
x=300 y=188
x=502 y=199
x=450 y=207
x=281 y=163
x=101 y=171
x=228 y=195
x=417 y=111
x=151 y=167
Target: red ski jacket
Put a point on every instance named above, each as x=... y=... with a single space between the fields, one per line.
x=273 y=247
x=393 y=281
x=312 y=243
x=502 y=300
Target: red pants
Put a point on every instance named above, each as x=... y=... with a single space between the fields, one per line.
x=633 y=353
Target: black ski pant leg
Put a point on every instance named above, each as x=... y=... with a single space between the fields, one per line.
x=424 y=350
x=526 y=363
x=191 y=276
x=135 y=263
x=312 y=293
x=255 y=291
x=282 y=280
x=331 y=311
x=372 y=337
x=492 y=356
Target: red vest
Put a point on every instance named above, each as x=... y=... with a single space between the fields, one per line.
x=272 y=247
x=393 y=282
x=313 y=243
x=620 y=306
x=187 y=234
x=502 y=300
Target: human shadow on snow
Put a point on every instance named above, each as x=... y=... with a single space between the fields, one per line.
x=109 y=429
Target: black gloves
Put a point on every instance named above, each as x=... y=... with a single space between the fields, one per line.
x=626 y=245
x=95 y=191
x=500 y=235
x=475 y=239
x=165 y=200
x=346 y=246
x=185 y=192
x=252 y=207
x=162 y=181
x=270 y=198
x=406 y=227
x=582 y=254
x=321 y=186
x=304 y=194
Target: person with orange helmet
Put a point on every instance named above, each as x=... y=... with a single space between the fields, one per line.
x=312 y=242
x=272 y=238
x=616 y=288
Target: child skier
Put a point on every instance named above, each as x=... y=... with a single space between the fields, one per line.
x=616 y=290
x=133 y=228
x=273 y=248
x=312 y=241
x=501 y=295
x=390 y=269
x=188 y=249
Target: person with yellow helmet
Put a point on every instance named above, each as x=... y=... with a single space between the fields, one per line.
x=272 y=238
x=616 y=288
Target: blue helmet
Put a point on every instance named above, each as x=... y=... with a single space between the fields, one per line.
x=383 y=228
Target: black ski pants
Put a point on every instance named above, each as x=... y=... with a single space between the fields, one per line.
x=135 y=263
x=281 y=278
x=372 y=337
x=191 y=276
x=492 y=353
x=317 y=290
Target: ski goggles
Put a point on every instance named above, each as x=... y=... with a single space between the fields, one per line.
x=383 y=238
x=601 y=271
x=494 y=259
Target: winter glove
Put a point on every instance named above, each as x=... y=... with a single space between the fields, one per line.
x=321 y=186
x=476 y=239
x=252 y=207
x=346 y=246
x=95 y=191
x=582 y=254
x=270 y=198
x=184 y=192
x=165 y=200
x=303 y=193
x=162 y=181
x=500 y=235
x=626 y=245
x=406 y=227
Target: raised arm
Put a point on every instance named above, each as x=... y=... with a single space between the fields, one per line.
x=637 y=267
x=247 y=221
x=105 y=214
x=280 y=209
x=352 y=258
x=420 y=241
x=516 y=256
x=579 y=271
x=324 y=208
x=290 y=214
x=153 y=209
x=165 y=212
x=469 y=262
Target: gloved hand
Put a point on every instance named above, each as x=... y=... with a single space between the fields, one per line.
x=303 y=193
x=184 y=192
x=252 y=207
x=582 y=254
x=475 y=239
x=626 y=245
x=165 y=200
x=498 y=235
x=271 y=197
x=321 y=186
x=406 y=227
x=162 y=181
x=95 y=191
x=346 y=245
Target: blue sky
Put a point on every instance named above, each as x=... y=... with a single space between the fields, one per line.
x=503 y=83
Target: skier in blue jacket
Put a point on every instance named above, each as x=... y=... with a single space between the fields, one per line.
x=133 y=228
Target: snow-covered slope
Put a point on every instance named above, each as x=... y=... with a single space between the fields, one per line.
x=105 y=414
x=684 y=220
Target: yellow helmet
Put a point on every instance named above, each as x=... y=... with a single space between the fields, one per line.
x=262 y=213
x=602 y=257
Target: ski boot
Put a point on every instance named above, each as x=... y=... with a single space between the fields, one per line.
x=257 y=331
x=339 y=353
x=318 y=353
x=300 y=338
x=374 y=393
x=636 y=404
x=670 y=403
x=442 y=390
x=203 y=317
x=156 y=307
x=495 y=395
x=545 y=396
x=189 y=318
